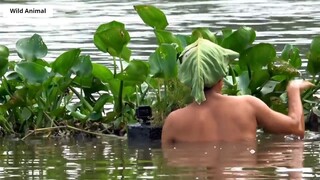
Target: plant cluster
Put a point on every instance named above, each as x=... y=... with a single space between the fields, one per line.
x=35 y=93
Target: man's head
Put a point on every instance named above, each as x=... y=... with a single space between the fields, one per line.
x=204 y=63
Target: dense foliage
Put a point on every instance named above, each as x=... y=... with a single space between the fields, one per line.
x=35 y=93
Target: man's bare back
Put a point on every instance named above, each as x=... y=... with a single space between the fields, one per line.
x=234 y=118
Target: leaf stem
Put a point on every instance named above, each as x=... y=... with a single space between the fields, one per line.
x=81 y=99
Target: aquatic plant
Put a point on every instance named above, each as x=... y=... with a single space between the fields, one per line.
x=35 y=93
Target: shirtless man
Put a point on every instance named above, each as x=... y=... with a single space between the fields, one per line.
x=232 y=118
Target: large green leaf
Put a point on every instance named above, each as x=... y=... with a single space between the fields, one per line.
x=152 y=16
x=4 y=54
x=31 y=48
x=83 y=81
x=313 y=55
x=163 y=62
x=257 y=56
x=258 y=79
x=204 y=33
x=239 y=39
x=224 y=34
x=4 y=51
x=292 y=55
x=204 y=63
x=164 y=36
x=315 y=45
x=101 y=72
x=137 y=71
x=83 y=67
x=33 y=73
x=112 y=37
x=66 y=61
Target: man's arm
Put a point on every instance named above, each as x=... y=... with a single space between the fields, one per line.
x=278 y=123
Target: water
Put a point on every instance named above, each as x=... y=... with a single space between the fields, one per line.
x=278 y=22
x=113 y=158
x=73 y=23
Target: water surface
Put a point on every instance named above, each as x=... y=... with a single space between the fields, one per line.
x=73 y=23
x=273 y=157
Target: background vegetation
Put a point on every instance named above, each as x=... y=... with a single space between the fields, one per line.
x=72 y=91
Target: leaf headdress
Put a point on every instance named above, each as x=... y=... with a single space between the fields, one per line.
x=204 y=63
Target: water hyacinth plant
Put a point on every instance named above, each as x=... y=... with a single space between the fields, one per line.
x=73 y=91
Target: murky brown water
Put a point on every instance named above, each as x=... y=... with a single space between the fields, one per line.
x=273 y=157
x=276 y=21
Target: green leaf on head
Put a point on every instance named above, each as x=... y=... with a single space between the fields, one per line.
x=203 y=64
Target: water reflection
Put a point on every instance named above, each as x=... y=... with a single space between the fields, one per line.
x=113 y=158
x=238 y=160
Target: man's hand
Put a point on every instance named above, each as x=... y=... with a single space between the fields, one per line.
x=300 y=84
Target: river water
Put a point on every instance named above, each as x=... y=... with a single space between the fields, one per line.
x=72 y=25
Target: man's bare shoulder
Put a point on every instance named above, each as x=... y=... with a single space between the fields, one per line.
x=174 y=115
x=247 y=98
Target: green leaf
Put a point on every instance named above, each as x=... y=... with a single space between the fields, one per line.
x=164 y=36
x=83 y=67
x=4 y=54
x=33 y=73
x=279 y=78
x=313 y=56
x=96 y=86
x=95 y=116
x=52 y=94
x=126 y=54
x=258 y=79
x=101 y=72
x=257 y=56
x=152 y=82
x=73 y=109
x=25 y=114
x=112 y=37
x=31 y=48
x=83 y=82
x=152 y=16
x=184 y=40
x=204 y=33
x=66 y=61
x=137 y=72
x=13 y=76
x=226 y=32
x=315 y=45
x=204 y=63
x=243 y=83
x=239 y=39
x=292 y=55
x=163 y=62
x=3 y=66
